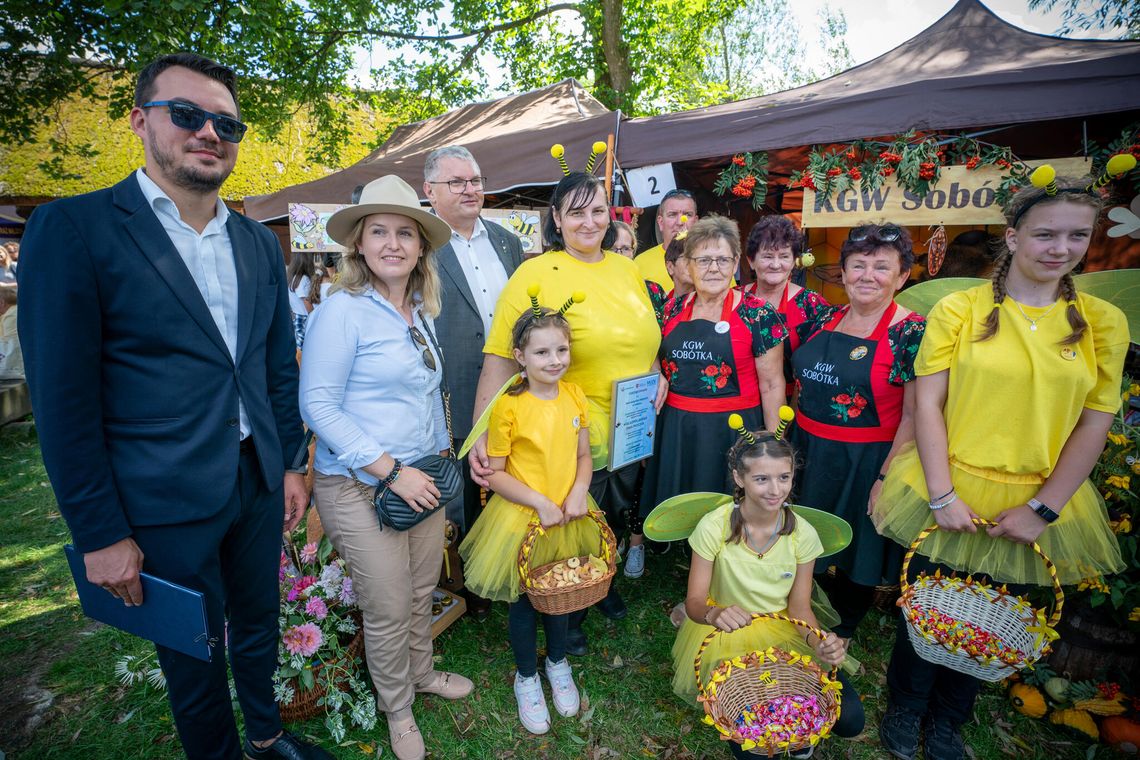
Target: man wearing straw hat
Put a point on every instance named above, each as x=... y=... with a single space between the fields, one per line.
x=160 y=359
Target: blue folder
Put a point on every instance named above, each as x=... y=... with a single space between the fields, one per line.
x=171 y=615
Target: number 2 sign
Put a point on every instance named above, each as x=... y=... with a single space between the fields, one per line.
x=649 y=184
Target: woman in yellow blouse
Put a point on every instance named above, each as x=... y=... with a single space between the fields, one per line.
x=1017 y=385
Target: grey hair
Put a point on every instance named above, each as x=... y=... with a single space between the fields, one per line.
x=431 y=165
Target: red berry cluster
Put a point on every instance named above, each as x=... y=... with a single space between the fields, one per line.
x=927 y=170
x=887 y=171
x=854 y=173
x=890 y=157
x=1001 y=162
x=1135 y=150
x=973 y=162
x=738 y=160
x=851 y=155
x=834 y=172
x=805 y=180
x=1108 y=690
x=744 y=187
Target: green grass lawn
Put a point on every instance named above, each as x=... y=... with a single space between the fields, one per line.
x=49 y=651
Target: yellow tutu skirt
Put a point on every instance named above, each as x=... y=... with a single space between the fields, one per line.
x=1080 y=542
x=490 y=551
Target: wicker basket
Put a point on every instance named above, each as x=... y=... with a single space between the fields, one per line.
x=993 y=610
x=885 y=597
x=559 y=601
x=306 y=704
x=764 y=676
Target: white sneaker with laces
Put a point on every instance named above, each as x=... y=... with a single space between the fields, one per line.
x=562 y=688
x=533 y=713
x=635 y=561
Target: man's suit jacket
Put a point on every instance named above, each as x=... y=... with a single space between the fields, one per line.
x=134 y=391
x=461 y=329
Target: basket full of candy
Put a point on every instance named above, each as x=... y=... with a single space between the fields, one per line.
x=770 y=702
x=976 y=627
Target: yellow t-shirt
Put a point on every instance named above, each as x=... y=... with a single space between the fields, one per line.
x=1014 y=399
x=539 y=438
x=739 y=576
x=614 y=332
x=651 y=264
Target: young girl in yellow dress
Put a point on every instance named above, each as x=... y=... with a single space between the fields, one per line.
x=539 y=446
x=1018 y=382
x=755 y=555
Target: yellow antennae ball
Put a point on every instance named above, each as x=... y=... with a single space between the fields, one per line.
x=786 y=413
x=1120 y=163
x=684 y=218
x=1043 y=175
x=735 y=421
x=557 y=151
x=599 y=147
x=532 y=290
x=578 y=296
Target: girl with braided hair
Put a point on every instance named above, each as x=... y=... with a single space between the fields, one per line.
x=1018 y=382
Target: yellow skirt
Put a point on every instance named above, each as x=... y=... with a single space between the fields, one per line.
x=1080 y=542
x=490 y=551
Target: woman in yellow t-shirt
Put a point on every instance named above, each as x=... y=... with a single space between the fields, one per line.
x=754 y=556
x=540 y=460
x=615 y=336
x=1017 y=386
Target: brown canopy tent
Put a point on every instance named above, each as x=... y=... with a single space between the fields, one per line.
x=510 y=138
x=969 y=69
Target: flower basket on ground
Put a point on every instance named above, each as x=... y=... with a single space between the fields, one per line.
x=320 y=668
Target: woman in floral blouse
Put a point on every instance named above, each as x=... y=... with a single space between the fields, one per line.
x=854 y=376
x=721 y=352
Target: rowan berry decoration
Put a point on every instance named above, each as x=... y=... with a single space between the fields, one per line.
x=746 y=176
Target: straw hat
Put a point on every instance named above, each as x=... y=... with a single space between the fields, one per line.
x=387 y=195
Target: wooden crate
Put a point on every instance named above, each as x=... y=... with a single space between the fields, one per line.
x=450 y=612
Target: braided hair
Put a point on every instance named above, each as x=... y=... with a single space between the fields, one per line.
x=1015 y=214
x=527 y=323
x=765 y=445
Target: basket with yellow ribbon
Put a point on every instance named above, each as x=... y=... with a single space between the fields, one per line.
x=975 y=627
x=570 y=584
x=770 y=702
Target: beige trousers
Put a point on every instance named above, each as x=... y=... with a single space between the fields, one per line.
x=393 y=575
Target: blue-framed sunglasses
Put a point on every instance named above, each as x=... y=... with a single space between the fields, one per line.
x=193 y=118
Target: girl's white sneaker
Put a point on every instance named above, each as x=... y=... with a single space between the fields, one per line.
x=562 y=688
x=532 y=704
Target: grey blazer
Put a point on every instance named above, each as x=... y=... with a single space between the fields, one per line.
x=460 y=329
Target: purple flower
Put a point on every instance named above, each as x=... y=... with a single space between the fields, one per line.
x=309 y=553
x=317 y=608
x=347 y=595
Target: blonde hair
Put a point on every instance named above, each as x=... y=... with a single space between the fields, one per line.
x=1070 y=190
x=354 y=276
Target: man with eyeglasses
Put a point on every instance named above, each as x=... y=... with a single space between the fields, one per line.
x=676 y=204
x=169 y=414
x=473 y=267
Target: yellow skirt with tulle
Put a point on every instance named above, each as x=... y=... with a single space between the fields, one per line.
x=1080 y=542
x=490 y=551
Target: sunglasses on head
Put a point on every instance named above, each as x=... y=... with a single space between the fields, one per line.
x=419 y=340
x=193 y=118
x=888 y=233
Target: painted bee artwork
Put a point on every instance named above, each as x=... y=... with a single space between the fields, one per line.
x=525 y=223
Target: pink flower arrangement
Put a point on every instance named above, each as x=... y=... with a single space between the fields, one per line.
x=317 y=608
x=309 y=553
x=299 y=587
x=304 y=639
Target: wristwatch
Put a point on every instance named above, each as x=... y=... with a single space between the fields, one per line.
x=1042 y=510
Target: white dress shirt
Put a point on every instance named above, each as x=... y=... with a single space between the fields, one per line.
x=365 y=389
x=210 y=258
x=484 y=271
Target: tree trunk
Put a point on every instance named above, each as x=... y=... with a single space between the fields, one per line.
x=618 y=75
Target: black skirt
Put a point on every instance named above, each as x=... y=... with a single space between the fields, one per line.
x=689 y=454
x=837 y=477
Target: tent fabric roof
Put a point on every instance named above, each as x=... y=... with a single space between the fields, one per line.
x=513 y=136
x=969 y=69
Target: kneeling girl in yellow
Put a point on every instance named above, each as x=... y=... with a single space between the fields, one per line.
x=539 y=448
x=755 y=556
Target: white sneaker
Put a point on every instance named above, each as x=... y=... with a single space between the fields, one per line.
x=635 y=561
x=532 y=704
x=562 y=688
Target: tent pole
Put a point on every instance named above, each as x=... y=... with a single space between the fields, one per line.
x=1085 y=136
x=609 y=165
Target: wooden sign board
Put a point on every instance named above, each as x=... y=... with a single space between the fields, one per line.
x=307 y=227
x=962 y=196
x=526 y=223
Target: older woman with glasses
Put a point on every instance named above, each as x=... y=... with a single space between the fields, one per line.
x=854 y=375
x=370 y=390
x=721 y=353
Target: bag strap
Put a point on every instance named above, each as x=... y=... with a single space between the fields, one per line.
x=444 y=393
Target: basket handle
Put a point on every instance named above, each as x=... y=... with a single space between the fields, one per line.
x=535 y=529
x=1058 y=592
x=755 y=616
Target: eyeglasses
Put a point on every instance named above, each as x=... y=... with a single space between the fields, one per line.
x=193 y=118
x=888 y=233
x=707 y=262
x=623 y=249
x=458 y=186
x=418 y=339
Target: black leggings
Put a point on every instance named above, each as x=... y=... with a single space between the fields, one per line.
x=850 y=722
x=522 y=624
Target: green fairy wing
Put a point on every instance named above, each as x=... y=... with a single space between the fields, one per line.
x=921 y=298
x=485 y=418
x=1121 y=288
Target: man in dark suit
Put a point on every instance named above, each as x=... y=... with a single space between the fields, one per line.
x=160 y=360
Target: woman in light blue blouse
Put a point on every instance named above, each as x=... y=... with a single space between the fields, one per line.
x=370 y=378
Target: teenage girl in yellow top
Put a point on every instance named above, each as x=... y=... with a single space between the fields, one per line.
x=755 y=555
x=538 y=443
x=1044 y=362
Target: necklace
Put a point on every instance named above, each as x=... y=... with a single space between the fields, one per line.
x=775 y=535
x=1033 y=322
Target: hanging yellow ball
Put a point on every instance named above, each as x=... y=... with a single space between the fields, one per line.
x=578 y=296
x=1043 y=175
x=1120 y=163
x=599 y=147
x=786 y=413
x=532 y=290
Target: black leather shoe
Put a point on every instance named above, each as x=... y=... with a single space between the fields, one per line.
x=612 y=606
x=941 y=740
x=477 y=607
x=899 y=732
x=576 y=643
x=286 y=747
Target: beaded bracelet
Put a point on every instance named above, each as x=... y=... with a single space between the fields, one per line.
x=393 y=475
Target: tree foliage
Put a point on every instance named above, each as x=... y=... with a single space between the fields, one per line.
x=1123 y=15
x=641 y=56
